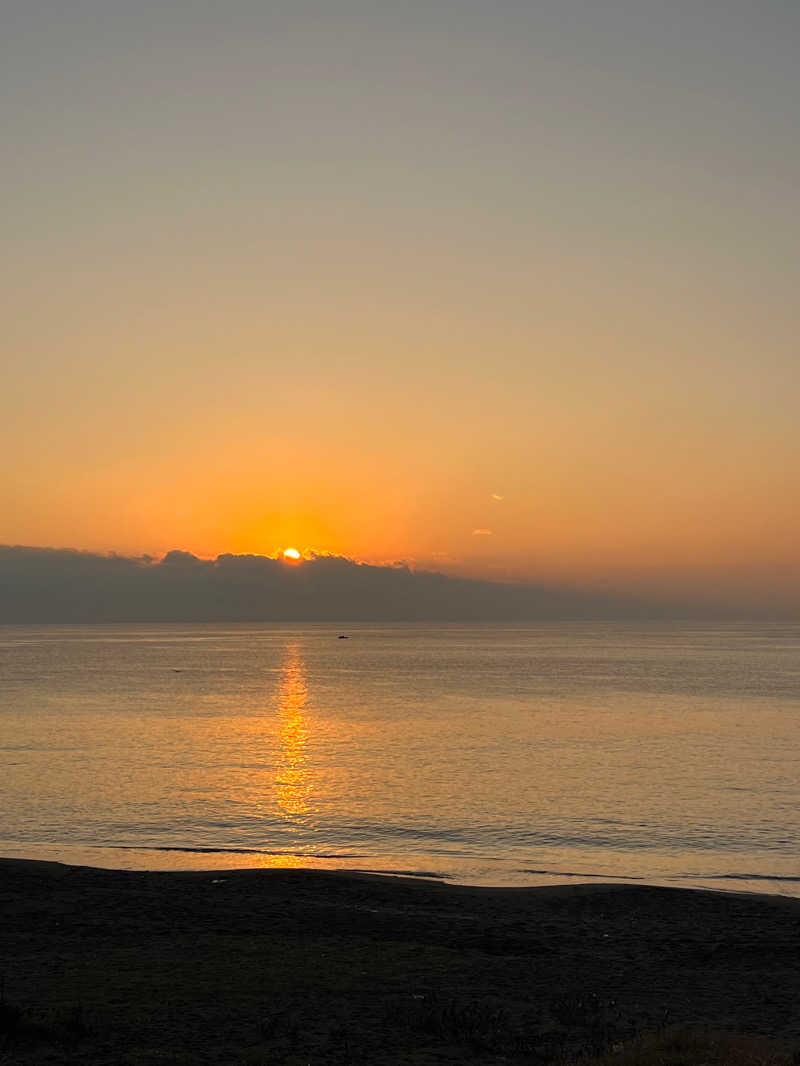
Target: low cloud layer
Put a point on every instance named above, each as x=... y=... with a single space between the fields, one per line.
x=50 y=585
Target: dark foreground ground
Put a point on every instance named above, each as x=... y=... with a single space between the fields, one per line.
x=301 y=967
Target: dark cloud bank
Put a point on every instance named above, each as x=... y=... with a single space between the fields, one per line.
x=50 y=585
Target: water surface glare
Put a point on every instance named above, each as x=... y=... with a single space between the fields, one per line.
x=494 y=754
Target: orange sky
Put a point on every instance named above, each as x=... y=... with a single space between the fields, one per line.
x=261 y=294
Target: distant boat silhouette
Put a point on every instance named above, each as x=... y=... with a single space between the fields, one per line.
x=343 y=637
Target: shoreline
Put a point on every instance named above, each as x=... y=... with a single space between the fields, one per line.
x=290 y=966
x=163 y=859
x=574 y=886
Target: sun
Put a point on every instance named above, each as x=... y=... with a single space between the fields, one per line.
x=291 y=553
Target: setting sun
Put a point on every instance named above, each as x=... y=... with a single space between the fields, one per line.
x=291 y=553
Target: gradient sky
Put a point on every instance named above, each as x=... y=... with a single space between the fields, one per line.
x=340 y=275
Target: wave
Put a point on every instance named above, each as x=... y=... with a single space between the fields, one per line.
x=224 y=851
x=429 y=874
x=671 y=877
x=743 y=877
x=580 y=873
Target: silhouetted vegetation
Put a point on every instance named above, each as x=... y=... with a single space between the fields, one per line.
x=687 y=1047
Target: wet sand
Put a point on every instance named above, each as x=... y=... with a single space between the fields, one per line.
x=298 y=966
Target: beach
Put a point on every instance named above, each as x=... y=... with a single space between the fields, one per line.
x=300 y=966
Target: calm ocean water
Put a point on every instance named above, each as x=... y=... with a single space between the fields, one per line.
x=494 y=754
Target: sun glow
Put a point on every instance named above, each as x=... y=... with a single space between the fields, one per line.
x=291 y=553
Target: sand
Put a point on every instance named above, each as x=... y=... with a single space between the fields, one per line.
x=298 y=966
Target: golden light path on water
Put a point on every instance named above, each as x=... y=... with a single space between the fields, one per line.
x=292 y=782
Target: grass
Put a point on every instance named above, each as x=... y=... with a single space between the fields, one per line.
x=687 y=1047
x=482 y=1030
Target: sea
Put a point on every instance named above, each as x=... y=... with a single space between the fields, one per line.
x=485 y=754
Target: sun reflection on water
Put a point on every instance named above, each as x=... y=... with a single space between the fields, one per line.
x=292 y=784
x=282 y=862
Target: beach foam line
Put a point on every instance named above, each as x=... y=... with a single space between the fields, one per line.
x=429 y=875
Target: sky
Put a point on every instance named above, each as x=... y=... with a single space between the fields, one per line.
x=506 y=290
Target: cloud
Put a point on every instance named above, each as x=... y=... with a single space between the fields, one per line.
x=181 y=560
x=39 y=585
x=496 y=496
x=482 y=533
